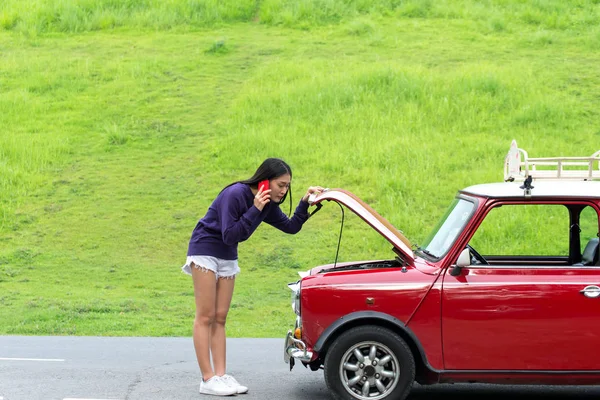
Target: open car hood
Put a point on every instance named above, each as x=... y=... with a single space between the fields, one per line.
x=370 y=216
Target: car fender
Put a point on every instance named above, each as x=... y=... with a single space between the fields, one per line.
x=369 y=317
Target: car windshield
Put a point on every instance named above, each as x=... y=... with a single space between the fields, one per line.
x=447 y=230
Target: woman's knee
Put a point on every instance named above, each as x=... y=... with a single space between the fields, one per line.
x=205 y=318
x=220 y=317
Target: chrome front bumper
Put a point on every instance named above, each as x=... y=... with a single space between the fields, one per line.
x=295 y=349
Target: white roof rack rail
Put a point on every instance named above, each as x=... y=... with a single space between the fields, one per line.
x=518 y=166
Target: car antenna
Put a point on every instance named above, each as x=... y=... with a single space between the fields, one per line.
x=527 y=185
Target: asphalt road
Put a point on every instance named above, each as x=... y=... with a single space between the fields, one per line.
x=49 y=368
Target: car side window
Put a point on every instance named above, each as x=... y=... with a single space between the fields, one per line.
x=524 y=230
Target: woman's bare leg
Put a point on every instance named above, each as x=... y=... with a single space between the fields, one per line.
x=218 y=339
x=205 y=290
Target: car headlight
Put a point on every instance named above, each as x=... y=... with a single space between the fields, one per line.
x=295 y=288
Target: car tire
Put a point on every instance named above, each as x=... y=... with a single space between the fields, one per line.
x=349 y=378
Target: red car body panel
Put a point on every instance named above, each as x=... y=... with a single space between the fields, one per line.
x=426 y=326
x=538 y=315
x=388 y=291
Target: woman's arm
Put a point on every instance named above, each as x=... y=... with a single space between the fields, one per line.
x=279 y=220
x=292 y=225
x=237 y=220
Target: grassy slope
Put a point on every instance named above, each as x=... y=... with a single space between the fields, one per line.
x=115 y=142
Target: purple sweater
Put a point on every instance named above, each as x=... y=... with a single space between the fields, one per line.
x=232 y=218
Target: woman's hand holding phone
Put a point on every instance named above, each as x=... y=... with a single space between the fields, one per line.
x=263 y=196
x=264 y=185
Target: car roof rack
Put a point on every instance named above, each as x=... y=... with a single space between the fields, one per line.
x=518 y=166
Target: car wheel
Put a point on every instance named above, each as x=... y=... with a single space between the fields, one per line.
x=369 y=362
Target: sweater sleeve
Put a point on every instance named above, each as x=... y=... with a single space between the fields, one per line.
x=279 y=220
x=237 y=221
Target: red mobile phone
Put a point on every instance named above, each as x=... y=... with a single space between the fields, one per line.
x=263 y=185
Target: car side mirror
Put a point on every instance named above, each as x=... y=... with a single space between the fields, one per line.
x=464 y=260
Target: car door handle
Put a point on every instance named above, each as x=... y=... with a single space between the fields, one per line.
x=591 y=291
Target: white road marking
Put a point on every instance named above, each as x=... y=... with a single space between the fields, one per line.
x=30 y=359
x=69 y=398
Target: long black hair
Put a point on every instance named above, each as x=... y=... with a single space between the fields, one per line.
x=271 y=168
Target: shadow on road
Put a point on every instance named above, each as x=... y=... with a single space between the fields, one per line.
x=497 y=392
x=477 y=392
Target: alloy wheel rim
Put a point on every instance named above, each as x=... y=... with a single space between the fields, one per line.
x=369 y=370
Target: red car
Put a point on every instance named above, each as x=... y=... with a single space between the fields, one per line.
x=505 y=290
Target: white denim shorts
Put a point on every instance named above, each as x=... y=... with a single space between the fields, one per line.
x=221 y=268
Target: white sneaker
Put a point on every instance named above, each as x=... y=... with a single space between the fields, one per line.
x=232 y=382
x=217 y=387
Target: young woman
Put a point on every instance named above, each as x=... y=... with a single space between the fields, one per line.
x=212 y=259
